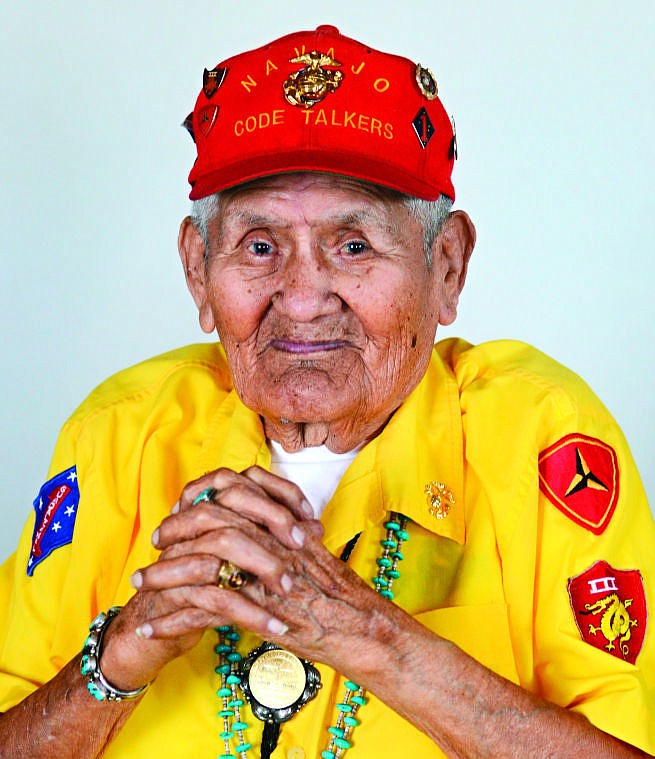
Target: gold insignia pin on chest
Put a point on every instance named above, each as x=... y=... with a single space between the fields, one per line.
x=439 y=498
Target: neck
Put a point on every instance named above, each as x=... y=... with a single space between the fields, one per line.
x=294 y=436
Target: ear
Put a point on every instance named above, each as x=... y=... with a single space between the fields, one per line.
x=451 y=252
x=191 y=247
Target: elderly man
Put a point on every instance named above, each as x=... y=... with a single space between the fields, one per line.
x=327 y=535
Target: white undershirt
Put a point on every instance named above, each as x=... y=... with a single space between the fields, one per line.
x=316 y=470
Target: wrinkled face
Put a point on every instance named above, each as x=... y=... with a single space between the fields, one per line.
x=321 y=295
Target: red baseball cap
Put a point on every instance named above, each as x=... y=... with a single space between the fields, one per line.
x=319 y=101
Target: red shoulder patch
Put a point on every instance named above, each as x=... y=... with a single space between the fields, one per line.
x=609 y=606
x=580 y=475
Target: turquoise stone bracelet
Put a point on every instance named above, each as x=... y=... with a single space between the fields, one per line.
x=97 y=684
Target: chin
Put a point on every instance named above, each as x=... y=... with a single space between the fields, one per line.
x=303 y=399
x=302 y=409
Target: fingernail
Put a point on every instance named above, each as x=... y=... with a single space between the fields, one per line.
x=136 y=580
x=144 y=631
x=286 y=582
x=275 y=627
x=155 y=537
x=316 y=527
x=298 y=535
x=175 y=508
x=307 y=509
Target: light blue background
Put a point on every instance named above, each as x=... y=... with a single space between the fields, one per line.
x=555 y=119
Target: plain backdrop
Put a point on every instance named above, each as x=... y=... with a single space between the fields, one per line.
x=555 y=119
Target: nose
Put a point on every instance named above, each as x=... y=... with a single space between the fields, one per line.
x=307 y=288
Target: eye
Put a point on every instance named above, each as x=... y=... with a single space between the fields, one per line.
x=355 y=248
x=260 y=248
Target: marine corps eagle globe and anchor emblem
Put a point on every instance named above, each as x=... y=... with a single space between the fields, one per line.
x=311 y=84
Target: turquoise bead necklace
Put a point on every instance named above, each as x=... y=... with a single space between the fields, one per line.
x=354 y=697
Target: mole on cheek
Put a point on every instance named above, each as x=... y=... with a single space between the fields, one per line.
x=413 y=341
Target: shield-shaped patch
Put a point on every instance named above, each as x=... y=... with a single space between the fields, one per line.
x=609 y=606
x=580 y=475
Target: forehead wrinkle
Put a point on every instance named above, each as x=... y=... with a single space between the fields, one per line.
x=347 y=219
x=386 y=224
x=370 y=216
x=364 y=218
x=252 y=219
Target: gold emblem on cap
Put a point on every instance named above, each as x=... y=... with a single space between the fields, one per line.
x=426 y=82
x=440 y=499
x=311 y=84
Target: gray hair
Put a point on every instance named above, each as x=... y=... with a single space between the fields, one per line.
x=430 y=214
x=203 y=211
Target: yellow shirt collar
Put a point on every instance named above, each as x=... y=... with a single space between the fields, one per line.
x=421 y=443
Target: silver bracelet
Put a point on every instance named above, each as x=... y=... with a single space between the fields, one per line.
x=98 y=686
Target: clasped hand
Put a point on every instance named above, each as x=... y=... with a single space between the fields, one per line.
x=299 y=595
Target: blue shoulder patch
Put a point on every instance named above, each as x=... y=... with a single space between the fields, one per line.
x=56 y=509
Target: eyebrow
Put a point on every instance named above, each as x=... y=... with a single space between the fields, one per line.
x=361 y=218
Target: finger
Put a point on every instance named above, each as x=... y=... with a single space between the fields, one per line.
x=281 y=490
x=190 y=524
x=258 y=507
x=223 y=515
x=233 y=492
x=289 y=493
x=198 y=562
x=210 y=607
x=207 y=486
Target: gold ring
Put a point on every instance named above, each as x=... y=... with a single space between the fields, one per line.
x=230 y=577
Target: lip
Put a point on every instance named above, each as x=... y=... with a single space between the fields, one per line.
x=305 y=347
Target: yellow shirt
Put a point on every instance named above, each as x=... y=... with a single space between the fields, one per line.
x=493 y=576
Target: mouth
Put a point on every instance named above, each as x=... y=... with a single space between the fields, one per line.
x=307 y=347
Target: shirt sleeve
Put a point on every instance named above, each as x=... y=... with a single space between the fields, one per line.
x=52 y=587
x=31 y=624
x=579 y=572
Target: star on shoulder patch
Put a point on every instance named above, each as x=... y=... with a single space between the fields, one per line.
x=56 y=510
x=609 y=606
x=580 y=476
